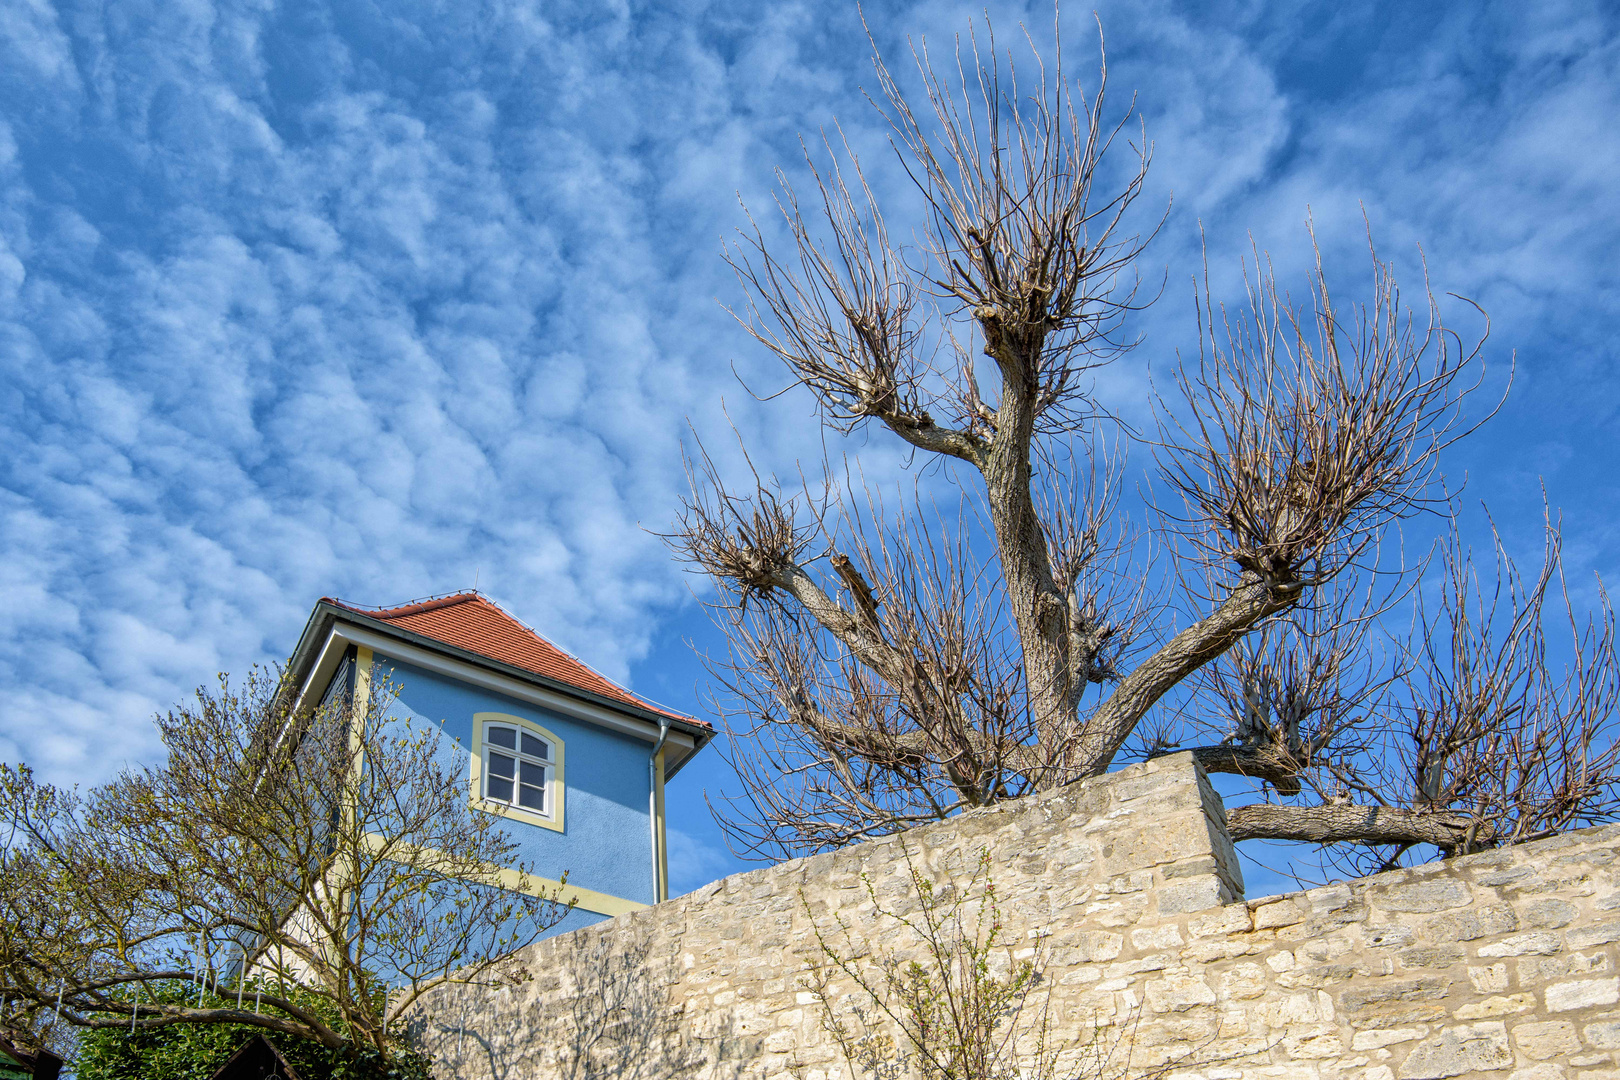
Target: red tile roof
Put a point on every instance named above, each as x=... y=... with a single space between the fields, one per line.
x=468 y=621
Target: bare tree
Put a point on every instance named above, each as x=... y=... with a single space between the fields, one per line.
x=307 y=872
x=891 y=664
x=1472 y=738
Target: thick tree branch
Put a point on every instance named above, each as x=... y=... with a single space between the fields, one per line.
x=1107 y=729
x=923 y=433
x=862 y=637
x=1258 y=763
x=1350 y=823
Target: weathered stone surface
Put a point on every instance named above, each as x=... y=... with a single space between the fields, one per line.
x=1543 y=1039
x=1376 y=1039
x=1582 y=937
x=1422 y=896
x=1496 y=1006
x=1538 y=943
x=1125 y=889
x=1466 y=1048
x=1485 y=920
x=1585 y=994
x=1549 y=914
x=1538 y=1072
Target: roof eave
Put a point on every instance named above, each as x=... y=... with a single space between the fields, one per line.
x=316 y=631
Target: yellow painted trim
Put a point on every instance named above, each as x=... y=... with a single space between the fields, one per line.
x=362 y=679
x=658 y=823
x=359 y=706
x=553 y=821
x=586 y=899
x=535 y=885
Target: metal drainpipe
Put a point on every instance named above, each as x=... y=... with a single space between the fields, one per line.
x=652 y=807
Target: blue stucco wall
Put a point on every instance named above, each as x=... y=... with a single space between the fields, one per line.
x=606 y=844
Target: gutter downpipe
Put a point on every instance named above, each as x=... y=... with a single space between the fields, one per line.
x=659 y=885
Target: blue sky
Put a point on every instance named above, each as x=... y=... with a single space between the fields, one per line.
x=379 y=300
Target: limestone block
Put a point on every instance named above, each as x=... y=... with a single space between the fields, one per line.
x=1549 y=914
x=1320 y=949
x=1604 y=1035
x=1290 y=1011
x=1330 y=898
x=1157 y=937
x=1092 y=946
x=1198 y=894
x=1271 y=914
x=1434 y=956
x=1205 y=952
x=1487 y=920
x=1125 y=911
x=1536 y=943
x=1183 y=835
x=1496 y=1006
x=1439 y=894
x=1242 y=982
x=1378 y=1039
x=1538 y=1072
x=1301 y=1071
x=1584 y=937
x=1178 y=993
x=1386 y=935
x=1466 y=1048
x=1543 y=1039
x=1582 y=994
x=1231 y=919
x=1506 y=876
x=1428 y=988
x=1282 y=961
x=1322 y=1041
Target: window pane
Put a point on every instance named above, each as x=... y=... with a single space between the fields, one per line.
x=533 y=774
x=532 y=797
x=500 y=789
x=502 y=736
x=501 y=765
x=536 y=747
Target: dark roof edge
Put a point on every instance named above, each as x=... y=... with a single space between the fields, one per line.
x=313 y=638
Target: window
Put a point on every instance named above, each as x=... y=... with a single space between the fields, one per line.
x=517 y=770
x=517 y=767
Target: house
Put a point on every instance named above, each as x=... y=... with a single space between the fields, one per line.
x=256 y=1059
x=20 y=1063
x=572 y=763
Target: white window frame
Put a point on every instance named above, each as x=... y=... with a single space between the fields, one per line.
x=555 y=786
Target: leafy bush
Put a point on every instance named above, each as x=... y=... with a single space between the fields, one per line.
x=196 y=1051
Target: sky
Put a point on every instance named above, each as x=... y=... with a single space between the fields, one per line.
x=386 y=300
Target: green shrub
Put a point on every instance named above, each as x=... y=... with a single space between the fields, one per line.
x=196 y=1051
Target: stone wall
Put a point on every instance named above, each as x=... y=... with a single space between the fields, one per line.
x=1126 y=891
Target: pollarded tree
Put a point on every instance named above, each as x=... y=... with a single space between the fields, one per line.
x=894 y=663
x=306 y=871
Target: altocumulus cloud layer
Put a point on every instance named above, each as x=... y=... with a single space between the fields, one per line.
x=373 y=299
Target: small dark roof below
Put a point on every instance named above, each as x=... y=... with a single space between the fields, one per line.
x=38 y=1064
x=256 y=1059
